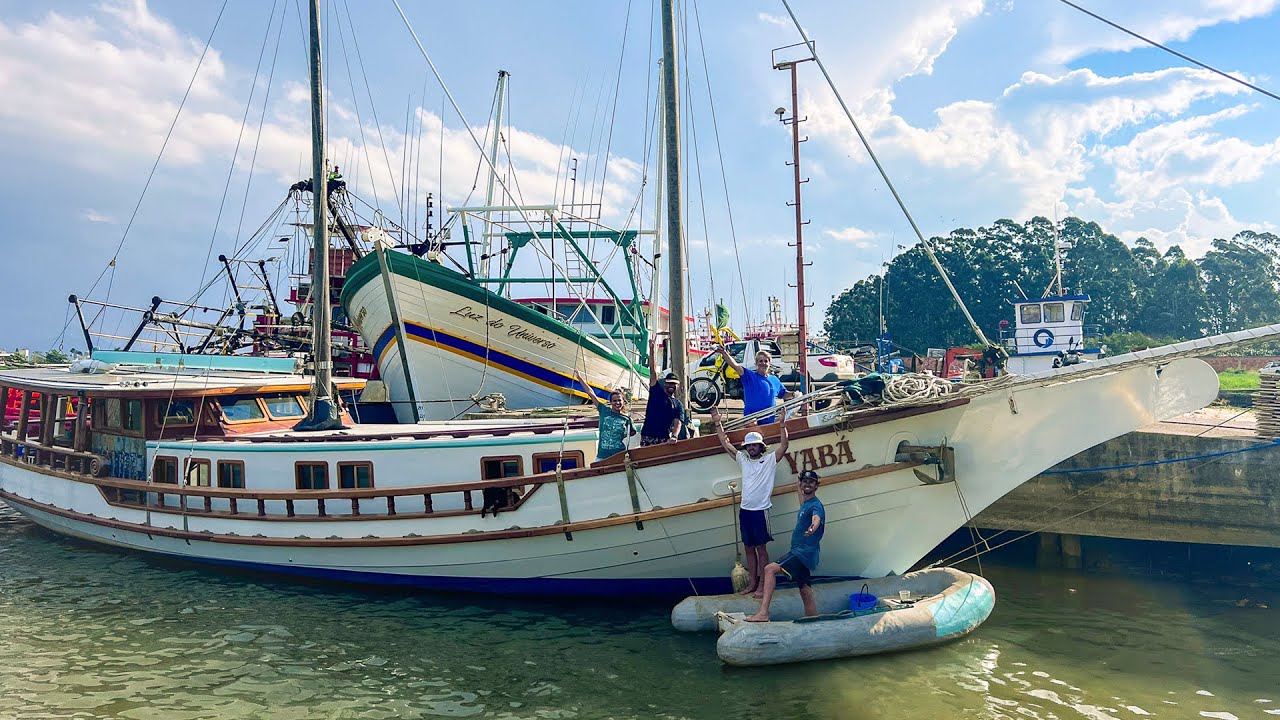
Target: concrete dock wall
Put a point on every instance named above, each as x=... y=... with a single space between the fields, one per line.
x=1229 y=500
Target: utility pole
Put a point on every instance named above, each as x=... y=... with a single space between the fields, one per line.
x=802 y=307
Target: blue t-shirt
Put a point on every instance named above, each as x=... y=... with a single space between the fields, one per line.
x=615 y=428
x=805 y=547
x=759 y=392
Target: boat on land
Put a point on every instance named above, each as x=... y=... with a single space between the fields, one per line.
x=904 y=612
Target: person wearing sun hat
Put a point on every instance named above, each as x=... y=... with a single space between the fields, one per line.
x=759 y=469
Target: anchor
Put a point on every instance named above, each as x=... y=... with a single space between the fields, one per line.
x=943 y=456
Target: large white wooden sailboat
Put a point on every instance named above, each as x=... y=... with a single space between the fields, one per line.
x=197 y=459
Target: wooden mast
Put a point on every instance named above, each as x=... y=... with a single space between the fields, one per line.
x=323 y=414
x=678 y=347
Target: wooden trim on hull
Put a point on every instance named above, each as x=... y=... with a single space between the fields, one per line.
x=479 y=536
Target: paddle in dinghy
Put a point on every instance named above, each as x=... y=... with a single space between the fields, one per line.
x=894 y=613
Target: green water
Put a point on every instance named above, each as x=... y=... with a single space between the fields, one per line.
x=88 y=632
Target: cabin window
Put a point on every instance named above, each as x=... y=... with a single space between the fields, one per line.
x=133 y=415
x=241 y=408
x=608 y=314
x=283 y=406
x=178 y=412
x=165 y=470
x=739 y=351
x=114 y=419
x=198 y=472
x=312 y=476
x=1053 y=313
x=1029 y=314
x=501 y=467
x=546 y=462
x=772 y=347
x=1077 y=311
x=355 y=475
x=709 y=360
x=230 y=474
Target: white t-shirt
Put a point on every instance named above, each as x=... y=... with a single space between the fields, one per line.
x=757 y=480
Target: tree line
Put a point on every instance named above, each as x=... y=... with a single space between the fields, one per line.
x=1139 y=296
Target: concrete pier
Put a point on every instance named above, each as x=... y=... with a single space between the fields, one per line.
x=1228 y=500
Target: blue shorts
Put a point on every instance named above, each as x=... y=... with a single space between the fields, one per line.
x=797 y=571
x=755 y=527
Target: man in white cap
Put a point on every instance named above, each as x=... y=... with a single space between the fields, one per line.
x=758 y=472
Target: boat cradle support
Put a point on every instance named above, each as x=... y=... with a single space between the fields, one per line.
x=941 y=456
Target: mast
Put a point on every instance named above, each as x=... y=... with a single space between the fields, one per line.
x=802 y=364
x=678 y=346
x=493 y=169
x=322 y=415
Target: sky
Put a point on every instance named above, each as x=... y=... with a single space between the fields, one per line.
x=978 y=109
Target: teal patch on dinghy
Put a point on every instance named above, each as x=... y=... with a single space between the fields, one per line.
x=962 y=609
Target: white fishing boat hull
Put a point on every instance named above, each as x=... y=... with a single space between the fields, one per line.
x=463 y=342
x=678 y=532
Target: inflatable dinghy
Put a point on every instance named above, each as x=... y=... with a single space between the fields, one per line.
x=940 y=605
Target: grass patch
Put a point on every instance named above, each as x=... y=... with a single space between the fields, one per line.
x=1238 y=380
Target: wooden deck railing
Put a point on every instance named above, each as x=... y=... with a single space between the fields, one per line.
x=53 y=456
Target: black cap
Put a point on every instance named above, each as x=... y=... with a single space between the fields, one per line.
x=670 y=377
x=809 y=475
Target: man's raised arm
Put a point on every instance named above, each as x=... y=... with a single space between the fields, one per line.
x=720 y=434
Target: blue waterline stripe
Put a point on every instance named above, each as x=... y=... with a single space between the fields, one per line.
x=494 y=357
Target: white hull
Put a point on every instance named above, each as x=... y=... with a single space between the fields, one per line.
x=879 y=523
x=464 y=342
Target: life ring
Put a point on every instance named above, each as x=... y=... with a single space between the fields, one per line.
x=1043 y=338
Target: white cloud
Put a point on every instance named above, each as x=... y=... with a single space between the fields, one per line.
x=855 y=236
x=94 y=216
x=1073 y=34
x=774 y=20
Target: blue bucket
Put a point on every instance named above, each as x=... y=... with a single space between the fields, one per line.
x=862 y=602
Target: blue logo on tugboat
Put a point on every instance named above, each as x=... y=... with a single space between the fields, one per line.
x=1043 y=338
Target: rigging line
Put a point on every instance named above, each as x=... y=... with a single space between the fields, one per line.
x=235 y=153
x=1171 y=51
x=724 y=179
x=419 y=113
x=373 y=108
x=422 y=49
x=155 y=165
x=702 y=203
x=613 y=114
x=564 y=140
x=405 y=148
x=506 y=146
x=355 y=103
x=884 y=175
x=257 y=143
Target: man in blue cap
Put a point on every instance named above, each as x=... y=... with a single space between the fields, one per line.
x=799 y=564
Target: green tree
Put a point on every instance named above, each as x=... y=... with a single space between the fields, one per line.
x=55 y=356
x=1102 y=266
x=1175 y=304
x=1240 y=285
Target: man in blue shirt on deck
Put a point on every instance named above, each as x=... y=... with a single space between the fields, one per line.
x=799 y=564
x=760 y=387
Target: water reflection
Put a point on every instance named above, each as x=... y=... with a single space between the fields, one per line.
x=99 y=633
